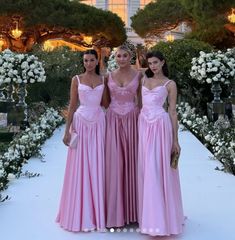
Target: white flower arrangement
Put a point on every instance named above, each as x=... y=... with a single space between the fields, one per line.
x=214 y=67
x=20 y=68
x=112 y=65
x=26 y=145
x=221 y=142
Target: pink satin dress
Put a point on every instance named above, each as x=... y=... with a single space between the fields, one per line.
x=82 y=201
x=121 y=154
x=160 y=210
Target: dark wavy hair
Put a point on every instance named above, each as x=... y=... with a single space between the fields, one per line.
x=160 y=56
x=93 y=52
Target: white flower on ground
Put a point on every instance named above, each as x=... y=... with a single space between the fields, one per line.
x=10 y=176
x=189 y=123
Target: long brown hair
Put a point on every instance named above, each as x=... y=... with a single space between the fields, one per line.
x=160 y=56
x=93 y=52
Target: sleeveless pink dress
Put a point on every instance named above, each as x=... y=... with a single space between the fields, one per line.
x=121 y=154
x=82 y=201
x=160 y=210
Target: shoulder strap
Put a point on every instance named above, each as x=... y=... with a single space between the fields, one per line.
x=110 y=75
x=78 y=79
x=143 y=80
x=167 y=83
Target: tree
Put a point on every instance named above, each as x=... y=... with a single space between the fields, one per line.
x=158 y=17
x=207 y=19
x=210 y=18
x=70 y=20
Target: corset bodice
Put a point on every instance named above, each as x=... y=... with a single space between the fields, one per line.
x=153 y=101
x=123 y=98
x=90 y=99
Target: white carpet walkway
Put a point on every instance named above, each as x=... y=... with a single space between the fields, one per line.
x=208 y=195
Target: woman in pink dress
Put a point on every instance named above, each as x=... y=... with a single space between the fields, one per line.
x=160 y=210
x=121 y=142
x=82 y=201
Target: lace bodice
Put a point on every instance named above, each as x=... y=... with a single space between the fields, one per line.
x=123 y=98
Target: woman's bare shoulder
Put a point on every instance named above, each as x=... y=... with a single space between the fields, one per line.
x=75 y=80
x=77 y=76
x=170 y=82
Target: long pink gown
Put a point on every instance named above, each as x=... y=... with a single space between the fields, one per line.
x=121 y=154
x=160 y=208
x=82 y=201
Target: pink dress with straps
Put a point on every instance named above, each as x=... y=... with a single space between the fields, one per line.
x=82 y=200
x=121 y=154
x=160 y=210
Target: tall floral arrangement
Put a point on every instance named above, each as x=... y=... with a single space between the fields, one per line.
x=7 y=71
x=230 y=54
x=214 y=67
x=20 y=68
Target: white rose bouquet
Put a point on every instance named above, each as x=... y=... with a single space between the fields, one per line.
x=112 y=65
x=20 y=68
x=7 y=62
x=213 y=67
x=230 y=63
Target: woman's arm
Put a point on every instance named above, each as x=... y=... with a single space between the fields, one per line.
x=172 y=97
x=106 y=96
x=73 y=104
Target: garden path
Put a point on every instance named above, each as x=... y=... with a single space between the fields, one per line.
x=208 y=197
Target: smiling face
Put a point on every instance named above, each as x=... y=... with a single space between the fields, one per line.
x=90 y=61
x=155 y=64
x=122 y=58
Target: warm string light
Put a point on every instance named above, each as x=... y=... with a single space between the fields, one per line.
x=87 y=40
x=16 y=33
x=1 y=42
x=231 y=17
x=170 y=38
x=47 y=46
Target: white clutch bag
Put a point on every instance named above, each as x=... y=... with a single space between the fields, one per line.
x=74 y=140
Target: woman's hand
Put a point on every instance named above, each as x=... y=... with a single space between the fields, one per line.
x=66 y=139
x=176 y=147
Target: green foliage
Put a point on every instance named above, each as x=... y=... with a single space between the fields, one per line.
x=5 y=138
x=78 y=17
x=178 y=55
x=206 y=18
x=213 y=33
x=3 y=146
x=203 y=10
x=60 y=66
x=210 y=17
x=158 y=17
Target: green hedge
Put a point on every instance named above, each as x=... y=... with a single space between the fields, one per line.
x=60 y=65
